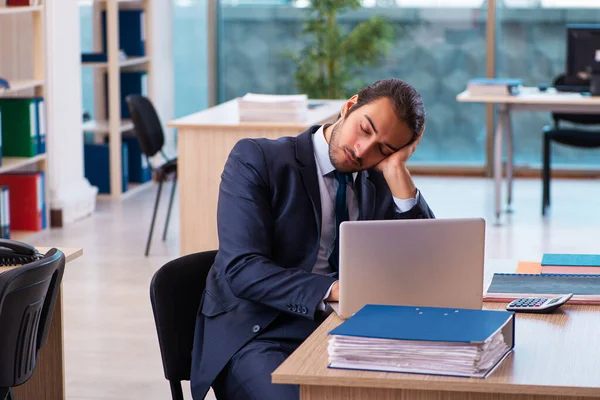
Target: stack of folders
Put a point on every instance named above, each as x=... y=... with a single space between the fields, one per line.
x=423 y=340
x=273 y=108
x=494 y=86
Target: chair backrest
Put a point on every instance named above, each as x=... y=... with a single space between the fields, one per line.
x=584 y=119
x=175 y=292
x=28 y=295
x=146 y=122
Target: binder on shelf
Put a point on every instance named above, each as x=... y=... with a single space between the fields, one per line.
x=41 y=126
x=139 y=170
x=97 y=166
x=25 y=200
x=4 y=213
x=1 y=134
x=132 y=32
x=132 y=82
x=93 y=57
x=423 y=340
x=42 y=194
x=21 y=121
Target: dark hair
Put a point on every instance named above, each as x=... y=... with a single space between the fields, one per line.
x=407 y=102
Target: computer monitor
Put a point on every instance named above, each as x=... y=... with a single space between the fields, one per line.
x=583 y=54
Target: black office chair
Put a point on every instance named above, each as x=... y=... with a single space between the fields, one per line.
x=28 y=295
x=175 y=292
x=570 y=136
x=149 y=132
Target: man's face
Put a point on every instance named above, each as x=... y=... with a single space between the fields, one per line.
x=366 y=136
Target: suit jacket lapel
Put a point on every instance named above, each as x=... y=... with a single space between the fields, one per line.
x=365 y=192
x=308 y=171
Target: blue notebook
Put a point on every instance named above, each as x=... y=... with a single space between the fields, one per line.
x=426 y=340
x=571 y=260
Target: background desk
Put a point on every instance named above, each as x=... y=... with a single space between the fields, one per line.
x=48 y=379
x=530 y=99
x=205 y=140
x=556 y=356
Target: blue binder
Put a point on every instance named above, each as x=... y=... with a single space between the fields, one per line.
x=97 y=166
x=132 y=82
x=139 y=170
x=571 y=260
x=424 y=323
x=132 y=36
x=418 y=330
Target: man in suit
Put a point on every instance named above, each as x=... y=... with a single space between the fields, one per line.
x=280 y=205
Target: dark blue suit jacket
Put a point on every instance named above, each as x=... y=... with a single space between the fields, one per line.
x=269 y=222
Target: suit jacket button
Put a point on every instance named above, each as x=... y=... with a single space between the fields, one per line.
x=304 y=310
x=255 y=328
x=294 y=308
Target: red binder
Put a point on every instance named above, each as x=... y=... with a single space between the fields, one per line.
x=19 y=3
x=25 y=199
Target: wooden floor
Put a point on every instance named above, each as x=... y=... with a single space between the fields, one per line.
x=111 y=350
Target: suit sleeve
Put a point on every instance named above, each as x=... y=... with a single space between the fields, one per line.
x=245 y=230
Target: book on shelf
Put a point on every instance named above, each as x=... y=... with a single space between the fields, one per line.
x=423 y=340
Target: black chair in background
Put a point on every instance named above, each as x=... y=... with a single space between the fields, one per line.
x=175 y=293
x=149 y=132
x=28 y=295
x=570 y=136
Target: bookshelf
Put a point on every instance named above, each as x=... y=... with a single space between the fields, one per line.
x=107 y=80
x=23 y=64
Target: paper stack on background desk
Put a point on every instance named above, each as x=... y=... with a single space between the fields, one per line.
x=273 y=108
x=555 y=275
x=424 y=340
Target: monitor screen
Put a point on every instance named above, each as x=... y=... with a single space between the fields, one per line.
x=583 y=53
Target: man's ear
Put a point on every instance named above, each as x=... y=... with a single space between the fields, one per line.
x=351 y=102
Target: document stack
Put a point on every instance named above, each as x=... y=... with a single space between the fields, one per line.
x=273 y=108
x=494 y=86
x=423 y=340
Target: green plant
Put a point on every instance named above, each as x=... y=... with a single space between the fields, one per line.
x=329 y=64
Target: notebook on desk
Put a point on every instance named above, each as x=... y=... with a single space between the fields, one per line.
x=506 y=287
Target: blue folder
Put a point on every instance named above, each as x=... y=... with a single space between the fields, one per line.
x=424 y=323
x=571 y=260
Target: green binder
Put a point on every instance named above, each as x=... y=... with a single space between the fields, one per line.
x=20 y=121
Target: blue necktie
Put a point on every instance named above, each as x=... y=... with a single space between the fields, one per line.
x=341 y=214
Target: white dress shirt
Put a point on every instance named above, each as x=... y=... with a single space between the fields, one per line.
x=328 y=188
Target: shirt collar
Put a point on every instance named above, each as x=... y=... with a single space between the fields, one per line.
x=322 y=151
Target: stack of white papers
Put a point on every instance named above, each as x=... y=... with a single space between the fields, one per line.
x=458 y=359
x=423 y=340
x=273 y=108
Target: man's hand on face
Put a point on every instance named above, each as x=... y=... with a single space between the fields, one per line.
x=398 y=159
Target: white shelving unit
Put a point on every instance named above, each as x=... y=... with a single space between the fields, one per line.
x=22 y=63
x=113 y=126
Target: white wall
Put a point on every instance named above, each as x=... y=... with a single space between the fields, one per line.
x=161 y=80
x=69 y=190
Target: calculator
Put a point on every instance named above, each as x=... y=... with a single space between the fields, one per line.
x=541 y=305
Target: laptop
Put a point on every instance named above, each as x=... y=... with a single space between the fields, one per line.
x=415 y=262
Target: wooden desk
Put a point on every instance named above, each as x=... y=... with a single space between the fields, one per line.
x=556 y=356
x=48 y=379
x=205 y=140
x=530 y=99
